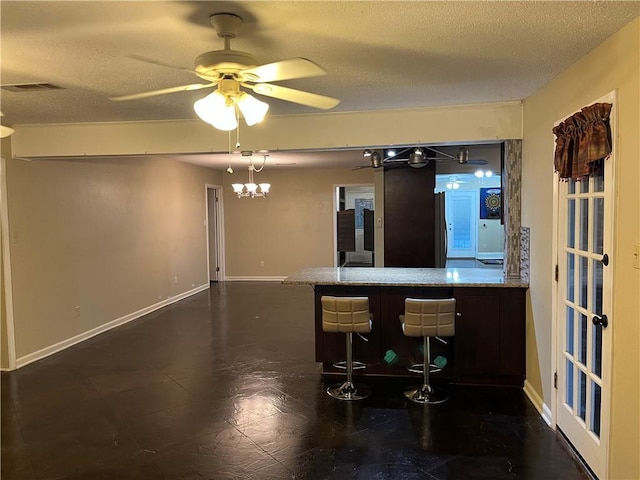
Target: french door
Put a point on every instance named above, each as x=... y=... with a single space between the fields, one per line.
x=584 y=314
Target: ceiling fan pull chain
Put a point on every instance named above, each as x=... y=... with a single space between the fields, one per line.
x=229 y=169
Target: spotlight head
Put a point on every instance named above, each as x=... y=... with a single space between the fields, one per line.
x=462 y=156
x=417 y=159
x=376 y=160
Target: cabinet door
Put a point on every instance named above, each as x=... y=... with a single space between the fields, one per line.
x=346 y=230
x=477 y=339
x=369 y=232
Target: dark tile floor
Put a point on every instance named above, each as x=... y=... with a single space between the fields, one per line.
x=223 y=385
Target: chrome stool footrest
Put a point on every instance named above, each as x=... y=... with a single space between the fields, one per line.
x=356 y=365
x=418 y=368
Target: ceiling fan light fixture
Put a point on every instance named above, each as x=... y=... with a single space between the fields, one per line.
x=217 y=111
x=253 y=110
x=5 y=131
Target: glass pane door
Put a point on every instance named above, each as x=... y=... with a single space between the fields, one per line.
x=585 y=297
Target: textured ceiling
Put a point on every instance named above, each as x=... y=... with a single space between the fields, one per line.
x=378 y=55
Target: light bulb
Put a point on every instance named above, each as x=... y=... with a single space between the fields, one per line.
x=253 y=110
x=215 y=110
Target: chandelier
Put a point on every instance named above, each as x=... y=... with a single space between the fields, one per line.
x=252 y=189
x=221 y=107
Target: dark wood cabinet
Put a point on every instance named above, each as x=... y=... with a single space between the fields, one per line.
x=488 y=346
x=369 y=232
x=409 y=216
x=490 y=335
x=346 y=220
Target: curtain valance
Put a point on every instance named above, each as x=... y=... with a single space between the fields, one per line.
x=582 y=140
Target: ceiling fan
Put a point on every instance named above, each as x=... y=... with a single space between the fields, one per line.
x=418 y=157
x=229 y=70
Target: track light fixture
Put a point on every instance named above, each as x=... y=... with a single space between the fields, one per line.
x=417 y=158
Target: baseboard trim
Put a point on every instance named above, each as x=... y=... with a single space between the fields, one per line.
x=254 y=279
x=58 y=347
x=542 y=408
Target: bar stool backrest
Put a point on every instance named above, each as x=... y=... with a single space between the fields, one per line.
x=345 y=314
x=429 y=317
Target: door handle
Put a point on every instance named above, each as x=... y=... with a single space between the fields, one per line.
x=602 y=321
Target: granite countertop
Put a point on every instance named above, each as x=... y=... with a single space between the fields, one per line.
x=410 y=277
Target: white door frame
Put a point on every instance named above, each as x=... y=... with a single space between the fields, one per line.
x=219 y=240
x=335 y=219
x=556 y=358
x=7 y=286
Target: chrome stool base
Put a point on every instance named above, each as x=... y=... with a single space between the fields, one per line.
x=426 y=395
x=348 y=391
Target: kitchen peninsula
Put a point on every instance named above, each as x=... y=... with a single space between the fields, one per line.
x=489 y=343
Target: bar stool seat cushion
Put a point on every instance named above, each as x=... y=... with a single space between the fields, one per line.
x=429 y=318
x=346 y=314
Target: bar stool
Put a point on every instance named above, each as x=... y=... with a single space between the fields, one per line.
x=428 y=318
x=347 y=315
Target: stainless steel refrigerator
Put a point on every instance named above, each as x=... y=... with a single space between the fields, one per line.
x=440 y=229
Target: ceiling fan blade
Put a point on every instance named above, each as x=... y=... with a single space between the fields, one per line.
x=284 y=70
x=478 y=161
x=295 y=96
x=153 y=93
x=140 y=58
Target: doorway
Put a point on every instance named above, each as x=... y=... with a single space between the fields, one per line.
x=353 y=230
x=215 y=233
x=461 y=215
x=583 y=310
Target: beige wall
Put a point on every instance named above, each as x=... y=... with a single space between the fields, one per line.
x=614 y=65
x=438 y=125
x=108 y=236
x=289 y=230
x=95 y=240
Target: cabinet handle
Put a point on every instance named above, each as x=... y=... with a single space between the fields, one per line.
x=458 y=314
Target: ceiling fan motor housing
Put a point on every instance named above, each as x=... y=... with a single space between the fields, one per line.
x=210 y=65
